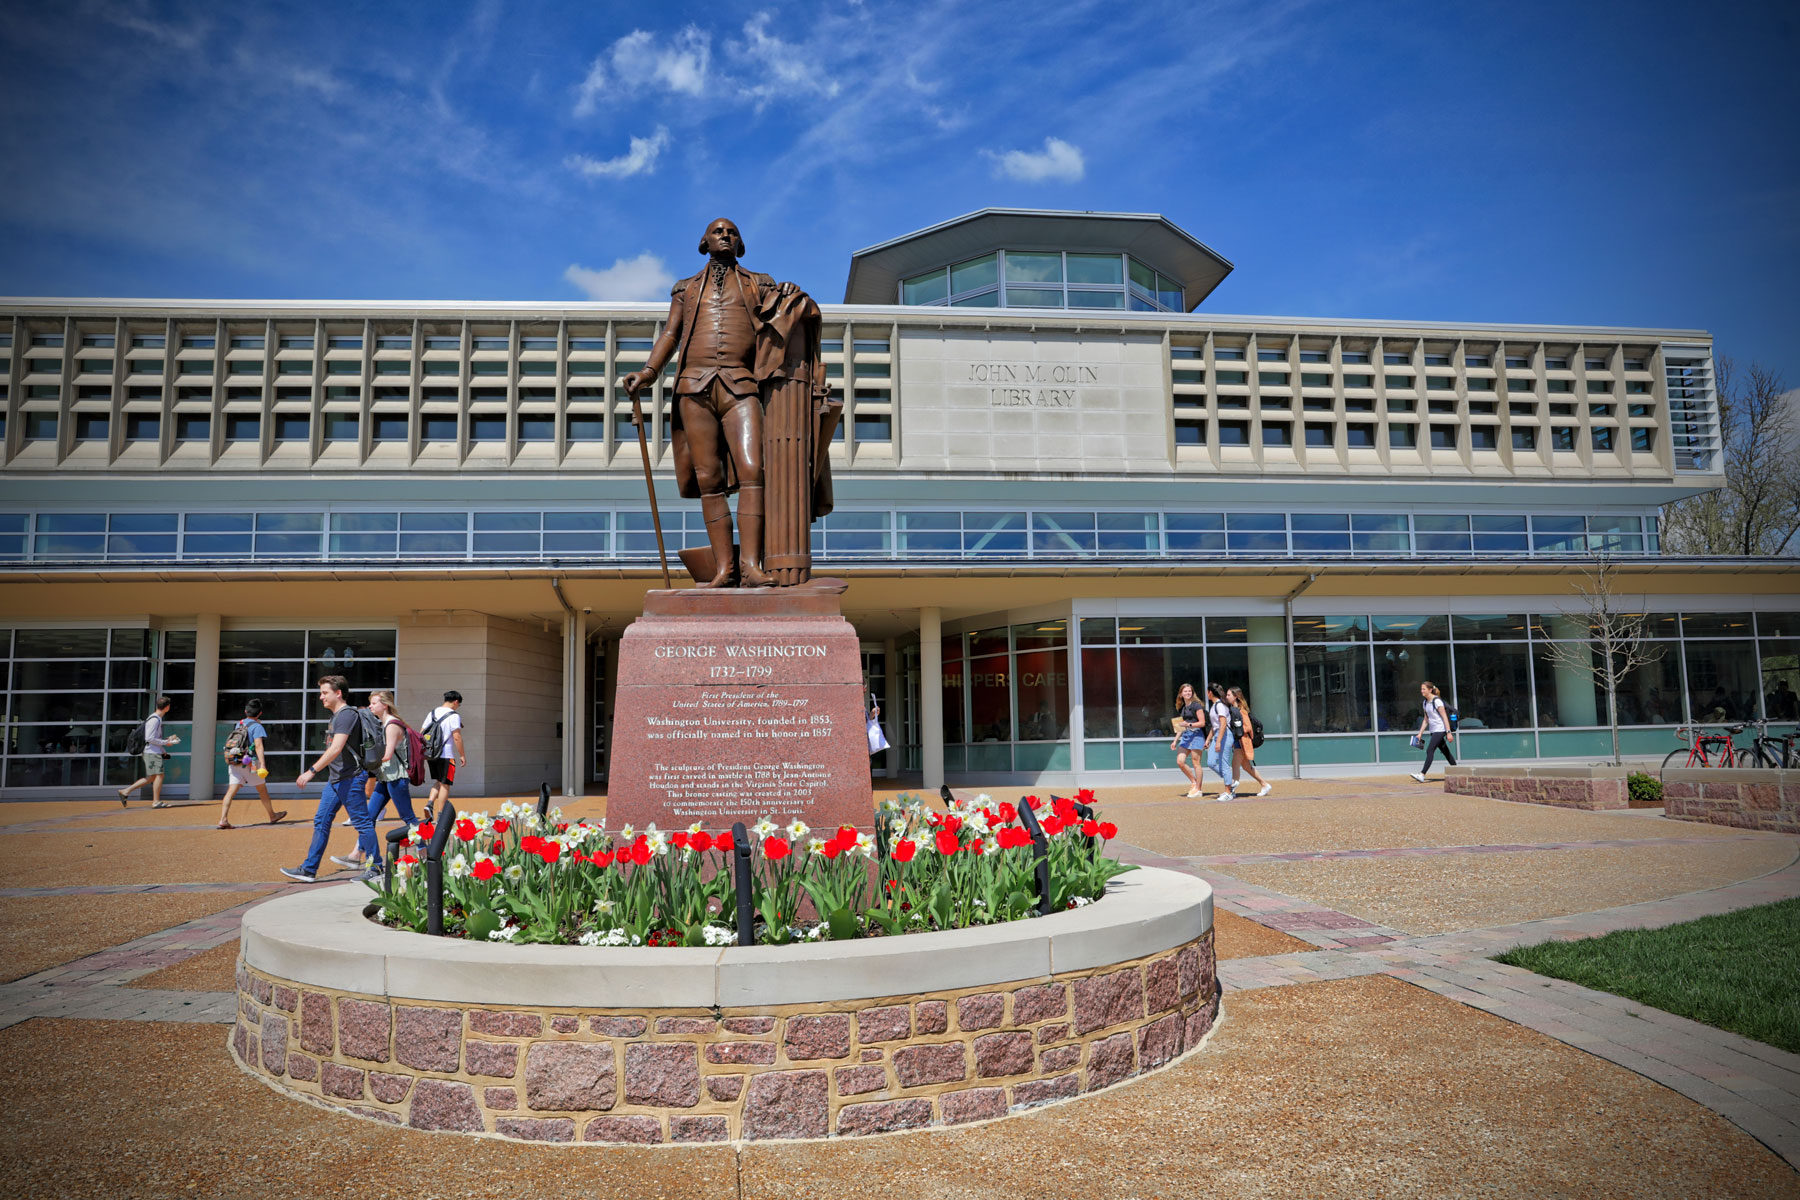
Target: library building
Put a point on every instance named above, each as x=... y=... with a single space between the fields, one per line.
x=1064 y=488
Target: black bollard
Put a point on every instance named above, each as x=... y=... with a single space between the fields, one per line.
x=434 y=870
x=947 y=796
x=1041 y=847
x=740 y=869
x=543 y=801
x=394 y=838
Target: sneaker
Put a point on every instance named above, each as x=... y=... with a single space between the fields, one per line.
x=355 y=864
x=158 y=804
x=1196 y=794
x=1227 y=796
x=1266 y=788
x=346 y=823
x=1418 y=776
x=374 y=874
x=298 y=874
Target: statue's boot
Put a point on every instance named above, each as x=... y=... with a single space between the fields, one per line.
x=750 y=537
x=717 y=510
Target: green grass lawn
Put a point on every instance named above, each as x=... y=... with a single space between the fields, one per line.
x=1739 y=971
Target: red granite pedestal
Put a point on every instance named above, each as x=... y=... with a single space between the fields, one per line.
x=735 y=704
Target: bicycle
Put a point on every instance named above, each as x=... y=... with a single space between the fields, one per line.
x=1705 y=749
x=1773 y=753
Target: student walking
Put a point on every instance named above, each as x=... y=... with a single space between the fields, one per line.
x=442 y=732
x=245 y=764
x=1219 y=742
x=1190 y=738
x=1243 y=733
x=1434 y=729
x=153 y=754
x=389 y=772
x=344 y=755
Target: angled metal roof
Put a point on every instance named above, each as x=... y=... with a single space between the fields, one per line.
x=876 y=272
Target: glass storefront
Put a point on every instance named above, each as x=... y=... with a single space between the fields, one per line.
x=1011 y=702
x=71 y=697
x=282 y=667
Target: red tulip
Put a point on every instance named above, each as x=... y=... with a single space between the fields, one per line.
x=1108 y=830
x=486 y=869
x=947 y=843
x=904 y=849
x=776 y=848
x=465 y=830
x=501 y=825
x=701 y=842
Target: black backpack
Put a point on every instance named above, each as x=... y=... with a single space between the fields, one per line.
x=1256 y=733
x=434 y=735
x=1235 y=723
x=367 y=736
x=136 y=742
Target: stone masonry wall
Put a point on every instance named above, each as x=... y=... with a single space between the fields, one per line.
x=694 y=1075
x=1539 y=789
x=1769 y=801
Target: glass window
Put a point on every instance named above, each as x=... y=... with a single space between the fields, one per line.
x=1558 y=535
x=1062 y=533
x=1143 y=279
x=1022 y=267
x=1278 y=433
x=70 y=535
x=1403 y=437
x=1326 y=533
x=990 y=534
x=933 y=534
x=577 y=533
x=1651 y=694
x=1603 y=438
x=537 y=428
x=990 y=700
x=1412 y=629
x=1128 y=533
x=1780 y=678
x=487 y=427
x=40 y=426
x=976 y=273
x=1493 y=685
x=1104 y=269
x=1099 y=686
x=1487 y=628
x=1158 y=630
x=288 y=535
x=1043 y=693
x=1149 y=678
x=1088 y=299
x=1399 y=671
x=1256 y=533
x=1331 y=629
x=1191 y=533
x=1331 y=684
x=930 y=288
x=1724 y=680
x=1028 y=297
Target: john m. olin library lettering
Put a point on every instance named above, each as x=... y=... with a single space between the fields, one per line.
x=1062 y=489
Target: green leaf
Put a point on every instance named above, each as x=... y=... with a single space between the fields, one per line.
x=482 y=922
x=840 y=923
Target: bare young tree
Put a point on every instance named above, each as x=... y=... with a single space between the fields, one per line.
x=1619 y=642
x=1757 y=512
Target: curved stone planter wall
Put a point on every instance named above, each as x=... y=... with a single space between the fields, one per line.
x=565 y=1044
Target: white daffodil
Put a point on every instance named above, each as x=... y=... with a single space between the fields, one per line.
x=814 y=845
x=865 y=845
x=764 y=828
x=605 y=907
x=696 y=827
x=515 y=873
x=798 y=829
x=627 y=834
x=459 y=867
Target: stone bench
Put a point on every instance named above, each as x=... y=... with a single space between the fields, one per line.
x=1564 y=787
x=1744 y=798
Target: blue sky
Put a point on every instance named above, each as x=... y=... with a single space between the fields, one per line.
x=1634 y=164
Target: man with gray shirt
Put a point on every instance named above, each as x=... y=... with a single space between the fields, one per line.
x=345 y=755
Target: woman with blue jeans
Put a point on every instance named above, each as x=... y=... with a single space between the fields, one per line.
x=1219 y=742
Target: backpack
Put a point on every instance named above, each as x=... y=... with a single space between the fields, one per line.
x=412 y=753
x=434 y=735
x=237 y=743
x=1256 y=733
x=135 y=741
x=1235 y=723
x=364 y=738
x=1450 y=719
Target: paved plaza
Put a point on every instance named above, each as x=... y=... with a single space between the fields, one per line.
x=1368 y=1044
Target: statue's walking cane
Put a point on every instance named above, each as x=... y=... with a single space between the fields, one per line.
x=637 y=417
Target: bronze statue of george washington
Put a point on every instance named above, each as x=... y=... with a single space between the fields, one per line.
x=752 y=413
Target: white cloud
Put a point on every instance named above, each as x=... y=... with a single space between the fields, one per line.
x=1058 y=162
x=784 y=69
x=645 y=277
x=639 y=160
x=640 y=58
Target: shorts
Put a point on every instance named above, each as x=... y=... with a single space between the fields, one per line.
x=443 y=770
x=246 y=776
x=153 y=763
x=1192 y=739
